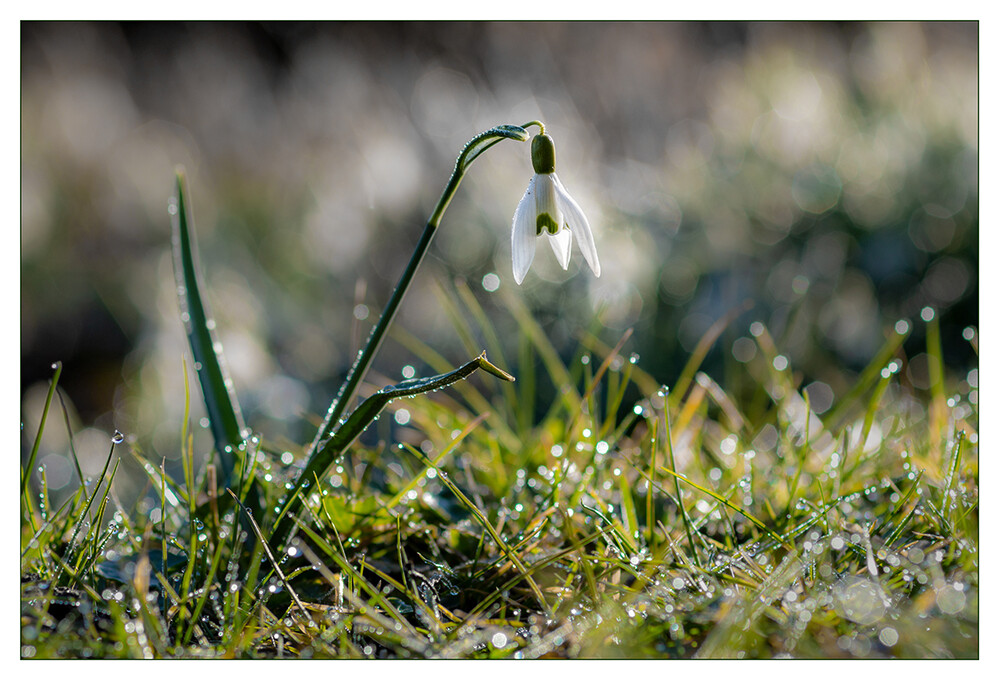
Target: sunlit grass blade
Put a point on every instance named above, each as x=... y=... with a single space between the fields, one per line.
x=173 y=492
x=69 y=435
x=497 y=593
x=549 y=355
x=949 y=505
x=95 y=530
x=736 y=420
x=84 y=516
x=721 y=499
x=938 y=398
x=729 y=634
x=704 y=345
x=224 y=416
x=73 y=576
x=432 y=465
x=647 y=384
x=356 y=577
x=593 y=381
x=869 y=376
x=668 y=437
x=205 y=592
x=493 y=344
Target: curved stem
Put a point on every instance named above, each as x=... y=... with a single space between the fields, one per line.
x=469 y=153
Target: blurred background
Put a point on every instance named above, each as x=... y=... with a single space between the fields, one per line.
x=827 y=172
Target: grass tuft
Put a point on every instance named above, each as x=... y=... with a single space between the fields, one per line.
x=725 y=531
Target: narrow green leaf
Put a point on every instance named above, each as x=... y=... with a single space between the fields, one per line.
x=668 y=436
x=869 y=376
x=432 y=465
x=220 y=398
x=704 y=345
x=26 y=472
x=532 y=330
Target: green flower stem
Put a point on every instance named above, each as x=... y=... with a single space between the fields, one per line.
x=469 y=153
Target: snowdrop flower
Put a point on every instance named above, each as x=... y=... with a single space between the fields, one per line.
x=547 y=208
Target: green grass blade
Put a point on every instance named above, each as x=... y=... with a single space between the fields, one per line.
x=938 y=399
x=377 y=596
x=435 y=463
x=69 y=434
x=870 y=375
x=549 y=355
x=948 y=504
x=668 y=436
x=220 y=398
x=26 y=472
x=86 y=510
x=721 y=499
x=493 y=344
x=704 y=345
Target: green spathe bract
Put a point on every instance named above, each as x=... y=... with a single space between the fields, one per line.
x=543 y=154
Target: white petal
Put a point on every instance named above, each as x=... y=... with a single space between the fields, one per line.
x=524 y=233
x=577 y=222
x=546 y=199
x=562 y=245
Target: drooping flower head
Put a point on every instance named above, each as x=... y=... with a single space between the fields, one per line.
x=547 y=208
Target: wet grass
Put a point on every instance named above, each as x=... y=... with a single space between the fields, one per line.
x=724 y=518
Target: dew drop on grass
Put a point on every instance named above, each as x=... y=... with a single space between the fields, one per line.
x=118 y=437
